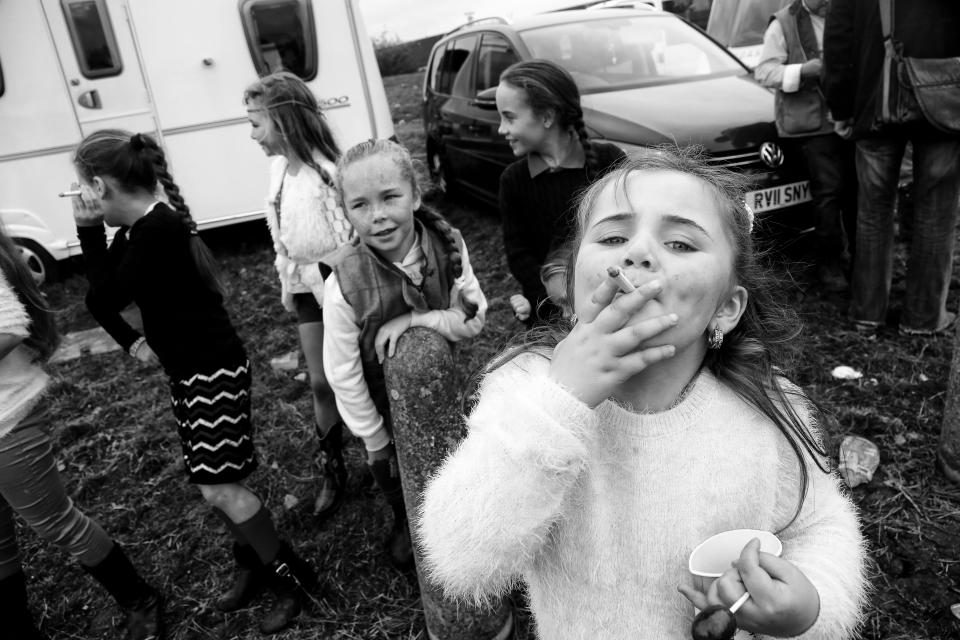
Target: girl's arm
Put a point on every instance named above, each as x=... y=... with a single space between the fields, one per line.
x=344 y=371
x=488 y=511
x=106 y=296
x=452 y=323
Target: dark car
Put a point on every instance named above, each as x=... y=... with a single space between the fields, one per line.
x=646 y=78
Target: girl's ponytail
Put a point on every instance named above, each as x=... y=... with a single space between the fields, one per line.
x=206 y=265
x=433 y=220
x=590 y=154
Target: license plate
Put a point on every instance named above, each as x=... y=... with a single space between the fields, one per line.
x=786 y=195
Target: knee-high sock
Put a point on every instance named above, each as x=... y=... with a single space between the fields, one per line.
x=260 y=534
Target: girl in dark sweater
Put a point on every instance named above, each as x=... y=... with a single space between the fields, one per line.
x=541 y=117
x=158 y=261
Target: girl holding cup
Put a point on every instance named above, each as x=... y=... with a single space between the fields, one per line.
x=598 y=459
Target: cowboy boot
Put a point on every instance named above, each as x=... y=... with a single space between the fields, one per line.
x=386 y=473
x=333 y=472
x=291 y=578
x=251 y=578
x=17 y=621
x=142 y=603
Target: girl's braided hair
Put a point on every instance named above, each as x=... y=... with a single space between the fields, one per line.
x=136 y=162
x=295 y=112
x=428 y=217
x=550 y=88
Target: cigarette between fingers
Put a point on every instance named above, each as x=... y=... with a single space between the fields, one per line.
x=69 y=194
x=625 y=285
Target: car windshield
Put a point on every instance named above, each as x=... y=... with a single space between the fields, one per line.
x=623 y=52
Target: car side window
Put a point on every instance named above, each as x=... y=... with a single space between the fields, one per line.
x=455 y=66
x=281 y=36
x=495 y=55
x=436 y=66
x=92 y=36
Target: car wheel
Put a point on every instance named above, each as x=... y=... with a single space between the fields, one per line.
x=41 y=264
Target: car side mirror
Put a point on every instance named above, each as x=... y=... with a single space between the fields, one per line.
x=486 y=99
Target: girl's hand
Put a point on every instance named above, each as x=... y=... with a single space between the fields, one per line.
x=604 y=349
x=146 y=355
x=521 y=306
x=386 y=341
x=87 y=211
x=782 y=603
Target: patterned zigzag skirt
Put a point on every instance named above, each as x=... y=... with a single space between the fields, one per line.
x=212 y=409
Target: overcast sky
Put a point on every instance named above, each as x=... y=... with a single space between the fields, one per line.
x=414 y=19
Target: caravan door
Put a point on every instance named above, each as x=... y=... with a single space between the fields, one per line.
x=100 y=64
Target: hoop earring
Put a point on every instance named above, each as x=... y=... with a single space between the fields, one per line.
x=715 y=338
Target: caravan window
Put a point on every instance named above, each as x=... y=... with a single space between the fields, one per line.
x=281 y=36
x=92 y=36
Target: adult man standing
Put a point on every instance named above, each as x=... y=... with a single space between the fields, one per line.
x=791 y=64
x=853 y=62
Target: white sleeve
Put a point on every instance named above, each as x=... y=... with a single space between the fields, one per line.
x=773 y=70
x=486 y=513
x=451 y=323
x=344 y=370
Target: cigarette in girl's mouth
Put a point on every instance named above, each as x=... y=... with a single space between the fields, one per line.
x=69 y=194
x=625 y=285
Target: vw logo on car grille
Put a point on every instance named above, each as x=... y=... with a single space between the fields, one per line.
x=771 y=154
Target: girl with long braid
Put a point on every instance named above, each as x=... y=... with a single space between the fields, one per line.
x=158 y=261
x=407 y=267
x=541 y=117
x=306 y=223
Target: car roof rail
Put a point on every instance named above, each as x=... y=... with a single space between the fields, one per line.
x=496 y=19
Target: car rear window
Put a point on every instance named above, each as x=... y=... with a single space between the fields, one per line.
x=623 y=52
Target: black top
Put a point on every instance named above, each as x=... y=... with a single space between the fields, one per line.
x=538 y=215
x=151 y=264
x=853 y=51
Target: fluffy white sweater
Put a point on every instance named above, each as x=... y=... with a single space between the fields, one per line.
x=311 y=223
x=598 y=510
x=22 y=381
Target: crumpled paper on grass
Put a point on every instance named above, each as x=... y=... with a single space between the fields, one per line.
x=859 y=458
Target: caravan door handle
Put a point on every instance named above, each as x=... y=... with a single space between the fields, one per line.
x=90 y=99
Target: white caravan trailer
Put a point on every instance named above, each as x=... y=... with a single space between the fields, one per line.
x=176 y=69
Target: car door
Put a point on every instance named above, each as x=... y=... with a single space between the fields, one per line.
x=453 y=90
x=489 y=149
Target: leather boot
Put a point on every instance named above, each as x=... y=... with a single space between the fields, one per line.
x=333 y=472
x=143 y=604
x=17 y=621
x=251 y=578
x=386 y=473
x=291 y=579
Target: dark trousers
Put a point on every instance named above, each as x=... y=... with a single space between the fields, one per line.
x=833 y=186
x=936 y=188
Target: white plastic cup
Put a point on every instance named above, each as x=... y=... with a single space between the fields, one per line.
x=713 y=556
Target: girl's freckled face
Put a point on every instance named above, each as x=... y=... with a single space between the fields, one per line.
x=380 y=201
x=665 y=226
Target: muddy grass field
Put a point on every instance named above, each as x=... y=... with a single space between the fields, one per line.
x=120 y=459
